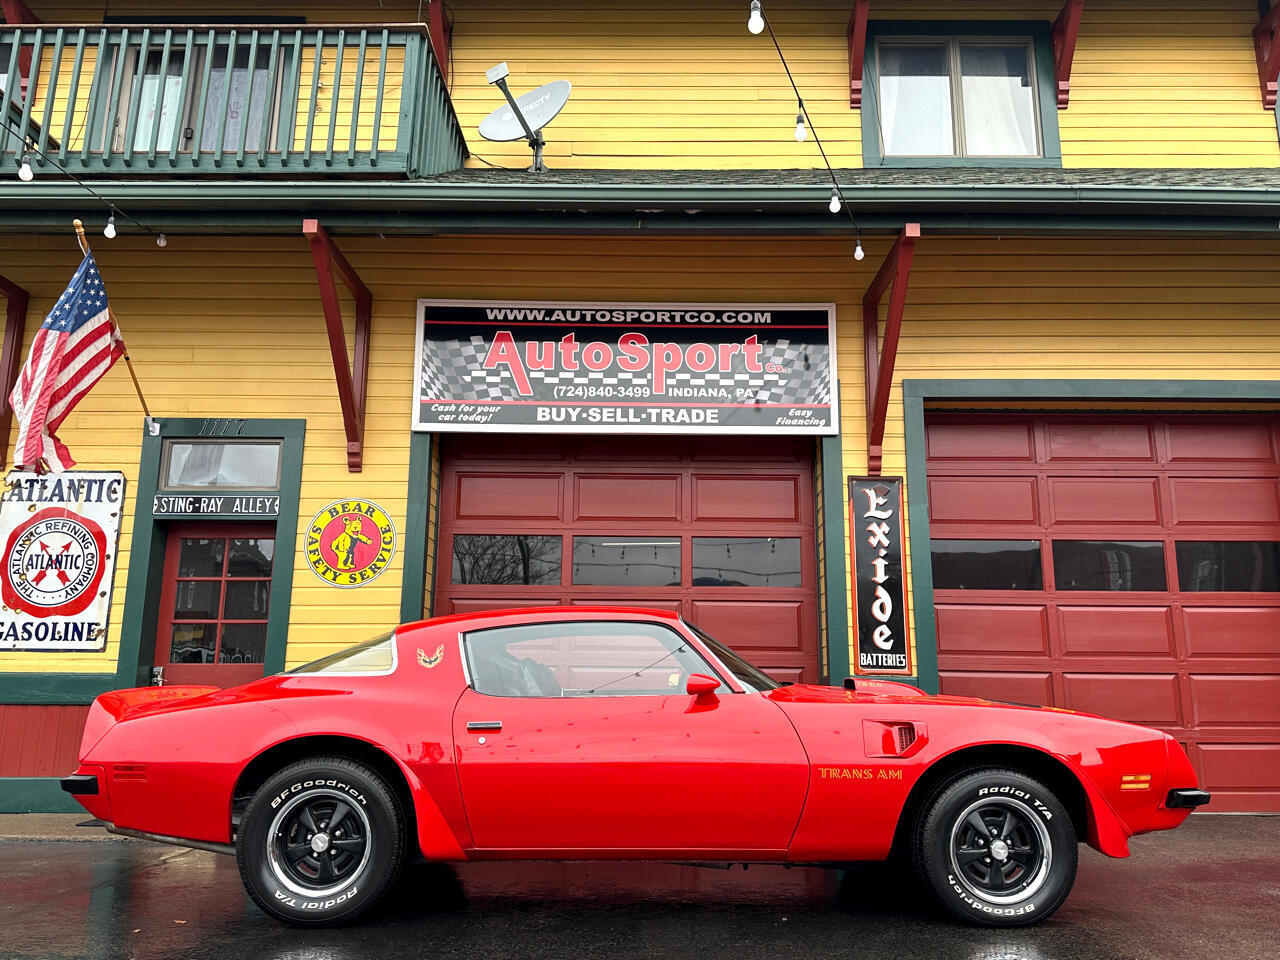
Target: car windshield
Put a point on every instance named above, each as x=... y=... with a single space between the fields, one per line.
x=751 y=678
x=372 y=656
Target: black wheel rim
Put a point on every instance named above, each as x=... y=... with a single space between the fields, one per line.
x=1000 y=850
x=318 y=843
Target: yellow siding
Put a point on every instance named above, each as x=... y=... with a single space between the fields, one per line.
x=233 y=327
x=393 y=87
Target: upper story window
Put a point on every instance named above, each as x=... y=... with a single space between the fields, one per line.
x=947 y=94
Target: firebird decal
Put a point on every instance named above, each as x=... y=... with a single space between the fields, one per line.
x=433 y=660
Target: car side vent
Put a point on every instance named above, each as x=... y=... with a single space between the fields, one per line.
x=893 y=738
x=905 y=735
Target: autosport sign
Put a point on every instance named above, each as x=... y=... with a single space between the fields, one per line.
x=59 y=534
x=633 y=368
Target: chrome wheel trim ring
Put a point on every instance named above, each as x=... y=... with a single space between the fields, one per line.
x=280 y=871
x=1042 y=866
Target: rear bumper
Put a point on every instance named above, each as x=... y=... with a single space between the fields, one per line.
x=80 y=784
x=1186 y=799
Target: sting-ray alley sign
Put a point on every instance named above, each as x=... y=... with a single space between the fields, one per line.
x=59 y=533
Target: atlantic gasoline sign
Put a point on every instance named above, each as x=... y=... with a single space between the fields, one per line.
x=875 y=523
x=350 y=542
x=59 y=534
x=630 y=368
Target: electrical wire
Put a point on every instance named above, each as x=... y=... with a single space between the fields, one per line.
x=30 y=147
x=835 y=184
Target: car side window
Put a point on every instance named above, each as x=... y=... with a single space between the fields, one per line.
x=582 y=659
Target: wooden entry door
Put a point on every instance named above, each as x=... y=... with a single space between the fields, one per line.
x=214 y=603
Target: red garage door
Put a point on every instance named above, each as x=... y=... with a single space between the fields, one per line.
x=719 y=529
x=1118 y=565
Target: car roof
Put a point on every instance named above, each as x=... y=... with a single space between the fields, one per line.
x=549 y=614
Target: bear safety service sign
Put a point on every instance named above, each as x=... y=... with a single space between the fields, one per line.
x=59 y=533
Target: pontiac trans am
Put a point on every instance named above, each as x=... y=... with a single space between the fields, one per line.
x=574 y=733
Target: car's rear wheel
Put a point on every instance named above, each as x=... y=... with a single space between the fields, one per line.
x=321 y=842
x=997 y=848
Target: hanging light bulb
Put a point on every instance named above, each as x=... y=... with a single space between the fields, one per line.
x=858 y=253
x=834 y=205
x=162 y=240
x=109 y=231
x=801 y=132
x=25 y=173
x=755 y=22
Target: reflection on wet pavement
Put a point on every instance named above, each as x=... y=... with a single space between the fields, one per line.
x=1211 y=888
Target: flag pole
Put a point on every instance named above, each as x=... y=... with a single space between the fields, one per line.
x=153 y=428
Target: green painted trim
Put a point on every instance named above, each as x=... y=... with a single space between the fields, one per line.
x=35 y=795
x=915 y=394
x=146 y=558
x=416 y=528
x=835 y=540
x=24 y=688
x=1046 y=87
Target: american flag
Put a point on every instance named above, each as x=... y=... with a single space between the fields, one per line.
x=77 y=343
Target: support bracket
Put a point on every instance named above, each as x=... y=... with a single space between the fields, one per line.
x=1066 y=29
x=16 y=12
x=441 y=33
x=1266 y=47
x=15 y=328
x=895 y=270
x=857 y=50
x=352 y=379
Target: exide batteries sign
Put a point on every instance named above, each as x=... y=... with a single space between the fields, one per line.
x=636 y=368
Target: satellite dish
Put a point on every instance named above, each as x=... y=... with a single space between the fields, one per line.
x=524 y=116
x=539 y=108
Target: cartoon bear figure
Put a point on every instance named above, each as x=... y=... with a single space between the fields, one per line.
x=344 y=544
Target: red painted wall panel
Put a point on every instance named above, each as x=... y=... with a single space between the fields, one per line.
x=1112 y=631
x=1033 y=688
x=983 y=500
x=1250 y=699
x=1232 y=631
x=988 y=628
x=523 y=495
x=1109 y=500
x=627 y=497
x=1224 y=500
x=1138 y=698
x=974 y=441
x=745 y=498
x=1218 y=441
x=1099 y=440
x=754 y=626
x=39 y=740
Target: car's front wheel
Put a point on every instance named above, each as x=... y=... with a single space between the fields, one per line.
x=321 y=841
x=997 y=848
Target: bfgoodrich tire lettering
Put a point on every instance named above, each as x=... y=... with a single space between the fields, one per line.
x=320 y=842
x=997 y=848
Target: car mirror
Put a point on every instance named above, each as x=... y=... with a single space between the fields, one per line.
x=702 y=687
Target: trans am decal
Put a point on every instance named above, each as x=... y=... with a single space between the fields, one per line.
x=639 y=368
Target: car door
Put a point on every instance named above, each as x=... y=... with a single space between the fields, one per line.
x=576 y=737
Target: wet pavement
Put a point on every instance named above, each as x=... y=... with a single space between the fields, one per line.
x=1209 y=889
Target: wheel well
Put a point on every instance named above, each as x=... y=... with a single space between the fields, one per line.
x=261 y=767
x=1051 y=772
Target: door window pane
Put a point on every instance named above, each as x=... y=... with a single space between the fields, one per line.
x=197 y=464
x=584 y=659
x=193 y=643
x=746 y=562
x=200 y=558
x=197 y=599
x=1249 y=566
x=915 y=101
x=986 y=565
x=250 y=558
x=998 y=100
x=247 y=600
x=1108 y=565
x=243 y=643
x=626 y=561
x=506 y=558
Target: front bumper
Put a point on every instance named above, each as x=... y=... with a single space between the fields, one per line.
x=1182 y=799
x=80 y=784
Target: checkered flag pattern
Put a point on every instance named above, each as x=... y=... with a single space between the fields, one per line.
x=453 y=370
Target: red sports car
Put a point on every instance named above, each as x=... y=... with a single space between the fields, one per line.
x=609 y=734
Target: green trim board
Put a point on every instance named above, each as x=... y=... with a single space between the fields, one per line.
x=146 y=559
x=1040 y=34
x=835 y=540
x=35 y=795
x=416 y=528
x=53 y=688
x=917 y=393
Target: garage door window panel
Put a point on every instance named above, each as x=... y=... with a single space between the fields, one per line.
x=506 y=559
x=581 y=660
x=746 y=562
x=1240 y=566
x=1108 y=565
x=626 y=561
x=987 y=565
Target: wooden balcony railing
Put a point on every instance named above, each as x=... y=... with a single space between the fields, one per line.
x=224 y=100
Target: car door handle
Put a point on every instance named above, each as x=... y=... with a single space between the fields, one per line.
x=484 y=725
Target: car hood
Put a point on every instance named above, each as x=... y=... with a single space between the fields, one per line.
x=886 y=691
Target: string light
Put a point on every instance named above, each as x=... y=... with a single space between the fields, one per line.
x=24 y=171
x=801 y=132
x=162 y=240
x=834 y=205
x=755 y=22
x=109 y=231
x=858 y=252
